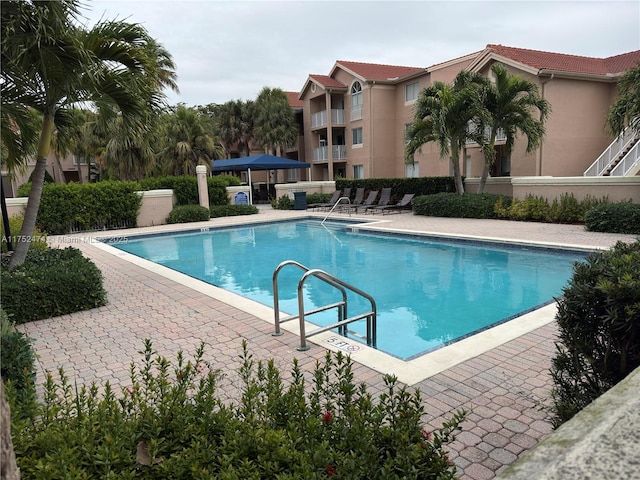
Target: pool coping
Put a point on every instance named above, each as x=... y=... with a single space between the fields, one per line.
x=410 y=371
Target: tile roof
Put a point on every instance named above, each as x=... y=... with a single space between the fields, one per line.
x=327 y=81
x=294 y=101
x=568 y=63
x=373 y=71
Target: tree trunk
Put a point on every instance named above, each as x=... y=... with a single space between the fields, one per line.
x=33 y=203
x=483 y=179
x=8 y=468
x=457 y=175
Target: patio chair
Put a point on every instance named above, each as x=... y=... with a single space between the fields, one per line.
x=332 y=201
x=355 y=202
x=403 y=204
x=385 y=198
x=371 y=198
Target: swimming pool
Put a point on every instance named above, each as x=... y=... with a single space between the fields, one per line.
x=429 y=293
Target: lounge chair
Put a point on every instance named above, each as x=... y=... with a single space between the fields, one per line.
x=355 y=202
x=403 y=204
x=371 y=198
x=332 y=201
x=385 y=198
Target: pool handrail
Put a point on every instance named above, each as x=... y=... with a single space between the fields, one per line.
x=334 y=207
x=342 y=322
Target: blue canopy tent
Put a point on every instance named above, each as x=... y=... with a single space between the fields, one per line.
x=255 y=162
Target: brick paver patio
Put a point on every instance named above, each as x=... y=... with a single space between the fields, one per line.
x=506 y=390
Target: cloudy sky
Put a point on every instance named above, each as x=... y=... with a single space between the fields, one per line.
x=227 y=50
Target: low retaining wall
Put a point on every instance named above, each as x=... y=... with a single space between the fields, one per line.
x=155 y=209
x=616 y=189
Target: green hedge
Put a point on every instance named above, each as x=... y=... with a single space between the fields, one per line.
x=51 y=283
x=599 y=329
x=614 y=218
x=232 y=210
x=400 y=186
x=282 y=203
x=88 y=206
x=469 y=205
x=188 y=213
x=17 y=362
x=170 y=422
x=185 y=187
x=38 y=239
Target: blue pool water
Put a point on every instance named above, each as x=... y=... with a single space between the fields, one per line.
x=429 y=293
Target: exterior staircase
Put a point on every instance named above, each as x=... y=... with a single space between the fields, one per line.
x=620 y=159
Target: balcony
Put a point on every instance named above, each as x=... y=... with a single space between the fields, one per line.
x=500 y=135
x=321 y=154
x=319 y=119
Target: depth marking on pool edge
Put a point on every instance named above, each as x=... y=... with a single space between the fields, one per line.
x=343 y=344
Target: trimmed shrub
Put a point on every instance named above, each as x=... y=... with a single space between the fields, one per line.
x=621 y=217
x=283 y=203
x=599 y=322
x=38 y=239
x=188 y=213
x=185 y=187
x=313 y=198
x=17 y=362
x=469 y=205
x=400 y=186
x=51 y=283
x=169 y=423
x=89 y=206
x=232 y=210
x=531 y=208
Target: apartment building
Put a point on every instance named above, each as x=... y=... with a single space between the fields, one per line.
x=355 y=117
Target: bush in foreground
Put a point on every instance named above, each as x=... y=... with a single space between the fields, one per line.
x=599 y=322
x=17 y=361
x=170 y=424
x=188 y=213
x=51 y=283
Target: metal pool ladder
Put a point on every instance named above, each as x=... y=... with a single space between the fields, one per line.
x=341 y=306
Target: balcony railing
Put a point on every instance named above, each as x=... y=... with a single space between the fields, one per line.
x=321 y=154
x=500 y=135
x=319 y=119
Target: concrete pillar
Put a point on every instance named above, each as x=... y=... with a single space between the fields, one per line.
x=203 y=190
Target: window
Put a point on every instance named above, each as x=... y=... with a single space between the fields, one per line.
x=411 y=92
x=412 y=170
x=358 y=171
x=356 y=101
x=407 y=126
x=357 y=136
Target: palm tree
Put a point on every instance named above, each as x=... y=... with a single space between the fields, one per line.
x=275 y=125
x=625 y=112
x=50 y=63
x=233 y=121
x=442 y=115
x=512 y=104
x=190 y=141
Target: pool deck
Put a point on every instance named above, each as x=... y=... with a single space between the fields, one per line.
x=505 y=388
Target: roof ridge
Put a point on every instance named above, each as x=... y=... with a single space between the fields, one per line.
x=377 y=64
x=491 y=45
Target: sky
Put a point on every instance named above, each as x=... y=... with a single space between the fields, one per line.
x=230 y=50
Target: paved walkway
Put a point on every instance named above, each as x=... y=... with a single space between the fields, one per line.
x=506 y=389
